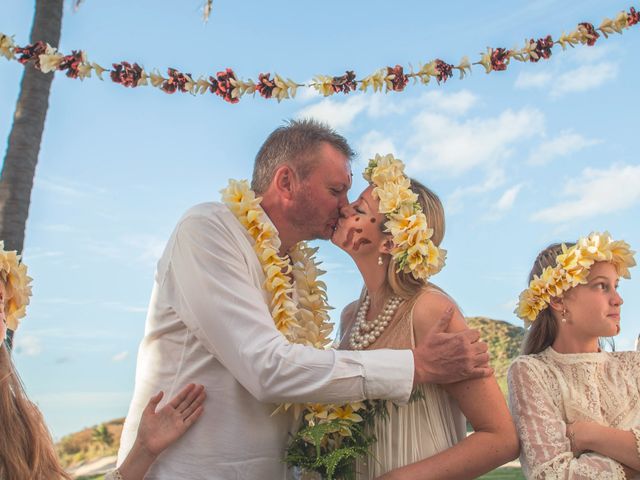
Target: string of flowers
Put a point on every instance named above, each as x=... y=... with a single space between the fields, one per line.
x=227 y=85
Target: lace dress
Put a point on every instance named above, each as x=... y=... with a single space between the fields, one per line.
x=429 y=424
x=548 y=390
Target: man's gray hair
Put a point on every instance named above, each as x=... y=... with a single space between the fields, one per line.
x=294 y=144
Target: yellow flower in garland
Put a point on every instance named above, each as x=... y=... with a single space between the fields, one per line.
x=17 y=285
x=6 y=46
x=571 y=269
x=413 y=250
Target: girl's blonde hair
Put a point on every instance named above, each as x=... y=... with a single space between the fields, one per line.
x=26 y=448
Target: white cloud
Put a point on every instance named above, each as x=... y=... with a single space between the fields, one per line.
x=507 y=199
x=149 y=247
x=584 y=78
x=119 y=357
x=375 y=142
x=495 y=178
x=533 y=80
x=595 y=192
x=454 y=147
x=338 y=114
x=27 y=345
x=457 y=103
x=565 y=143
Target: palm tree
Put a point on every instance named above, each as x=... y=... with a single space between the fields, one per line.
x=18 y=170
x=102 y=436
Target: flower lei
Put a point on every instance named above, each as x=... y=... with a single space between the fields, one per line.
x=226 y=85
x=17 y=283
x=572 y=269
x=413 y=250
x=307 y=322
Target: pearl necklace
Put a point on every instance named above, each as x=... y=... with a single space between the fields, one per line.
x=366 y=333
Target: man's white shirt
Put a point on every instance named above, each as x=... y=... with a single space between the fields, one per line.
x=209 y=323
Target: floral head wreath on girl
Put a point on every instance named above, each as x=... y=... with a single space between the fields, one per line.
x=13 y=274
x=413 y=250
x=572 y=269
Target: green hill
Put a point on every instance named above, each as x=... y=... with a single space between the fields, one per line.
x=504 y=340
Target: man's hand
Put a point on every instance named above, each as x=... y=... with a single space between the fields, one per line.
x=443 y=357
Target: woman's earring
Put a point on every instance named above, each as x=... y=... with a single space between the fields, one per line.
x=564 y=315
x=380 y=262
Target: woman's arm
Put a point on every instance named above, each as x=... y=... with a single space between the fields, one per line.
x=621 y=445
x=158 y=430
x=494 y=441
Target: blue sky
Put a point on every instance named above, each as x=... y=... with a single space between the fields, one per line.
x=540 y=153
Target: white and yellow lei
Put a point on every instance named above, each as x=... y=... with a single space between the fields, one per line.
x=17 y=284
x=572 y=269
x=413 y=250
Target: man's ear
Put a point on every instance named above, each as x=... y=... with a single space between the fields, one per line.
x=386 y=246
x=284 y=181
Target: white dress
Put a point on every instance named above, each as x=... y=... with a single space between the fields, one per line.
x=429 y=424
x=548 y=390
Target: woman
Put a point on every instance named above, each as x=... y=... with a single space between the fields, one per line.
x=576 y=407
x=26 y=449
x=392 y=232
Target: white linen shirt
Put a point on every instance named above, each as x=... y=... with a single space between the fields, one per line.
x=209 y=323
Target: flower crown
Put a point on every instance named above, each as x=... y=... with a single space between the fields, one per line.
x=572 y=269
x=14 y=275
x=413 y=250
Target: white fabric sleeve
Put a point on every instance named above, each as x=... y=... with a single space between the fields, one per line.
x=545 y=448
x=219 y=302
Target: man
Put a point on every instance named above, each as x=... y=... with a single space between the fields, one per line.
x=209 y=323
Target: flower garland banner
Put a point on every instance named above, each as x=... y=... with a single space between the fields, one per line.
x=227 y=85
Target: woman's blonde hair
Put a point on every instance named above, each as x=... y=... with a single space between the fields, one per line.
x=26 y=448
x=403 y=284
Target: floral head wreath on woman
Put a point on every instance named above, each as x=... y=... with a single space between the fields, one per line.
x=413 y=250
x=13 y=274
x=572 y=269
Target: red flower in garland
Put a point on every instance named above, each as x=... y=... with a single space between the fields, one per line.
x=591 y=31
x=633 y=18
x=70 y=63
x=399 y=80
x=222 y=86
x=126 y=74
x=499 y=59
x=265 y=85
x=31 y=51
x=345 y=83
x=176 y=81
x=542 y=49
x=445 y=70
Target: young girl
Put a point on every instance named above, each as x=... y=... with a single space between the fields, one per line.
x=576 y=407
x=26 y=449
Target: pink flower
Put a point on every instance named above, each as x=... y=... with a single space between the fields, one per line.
x=126 y=74
x=399 y=80
x=633 y=18
x=265 y=85
x=445 y=71
x=176 y=81
x=31 y=51
x=591 y=31
x=221 y=85
x=344 y=83
x=542 y=49
x=70 y=63
x=499 y=58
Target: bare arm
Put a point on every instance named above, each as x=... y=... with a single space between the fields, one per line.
x=158 y=430
x=444 y=355
x=621 y=445
x=494 y=441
